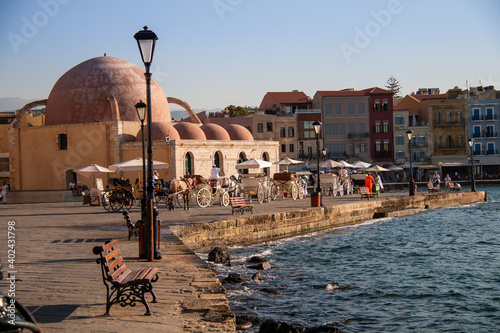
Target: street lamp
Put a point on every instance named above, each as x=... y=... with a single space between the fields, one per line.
x=146 y=40
x=409 y=133
x=324 y=153
x=141 y=113
x=317 y=129
x=473 y=178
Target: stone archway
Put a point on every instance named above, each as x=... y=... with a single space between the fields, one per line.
x=21 y=112
x=187 y=107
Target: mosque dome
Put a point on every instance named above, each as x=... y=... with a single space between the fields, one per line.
x=103 y=89
x=238 y=132
x=215 y=132
x=160 y=131
x=190 y=131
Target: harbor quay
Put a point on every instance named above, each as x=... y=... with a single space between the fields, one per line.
x=59 y=281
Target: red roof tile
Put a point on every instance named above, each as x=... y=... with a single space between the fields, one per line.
x=347 y=93
x=423 y=97
x=290 y=97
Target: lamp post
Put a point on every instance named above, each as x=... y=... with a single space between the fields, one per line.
x=141 y=113
x=324 y=154
x=473 y=178
x=409 y=134
x=317 y=128
x=146 y=40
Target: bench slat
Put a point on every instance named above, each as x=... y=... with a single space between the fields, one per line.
x=151 y=274
x=112 y=265
x=110 y=245
x=116 y=275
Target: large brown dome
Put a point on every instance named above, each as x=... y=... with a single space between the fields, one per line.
x=89 y=91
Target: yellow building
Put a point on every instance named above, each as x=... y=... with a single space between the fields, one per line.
x=90 y=118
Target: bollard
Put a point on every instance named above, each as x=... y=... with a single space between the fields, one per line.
x=316 y=199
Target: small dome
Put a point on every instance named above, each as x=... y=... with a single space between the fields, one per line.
x=215 y=132
x=94 y=89
x=238 y=132
x=190 y=131
x=160 y=131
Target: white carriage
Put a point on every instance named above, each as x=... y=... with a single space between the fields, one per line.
x=331 y=184
x=255 y=185
x=210 y=191
x=288 y=184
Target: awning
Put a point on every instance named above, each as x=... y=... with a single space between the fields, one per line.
x=427 y=166
x=453 y=164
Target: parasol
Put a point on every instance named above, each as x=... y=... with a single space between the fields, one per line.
x=253 y=164
x=288 y=161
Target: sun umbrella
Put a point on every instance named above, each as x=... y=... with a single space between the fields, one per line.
x=376 y=168
x=405 y=165
x=254 y=164
x=136 y=165
x=344 y=164
x=288 y=161
x=395 y=168
x=91 y=170
x=361 y=165
x=330 y=164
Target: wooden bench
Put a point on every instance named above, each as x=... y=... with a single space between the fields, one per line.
x=133 y=229
x=239 y=205
x=433 y=189
x=455 y=187
x=365 y=193
x=124 y=286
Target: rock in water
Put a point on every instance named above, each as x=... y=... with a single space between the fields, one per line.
x=235 y=278
x=219 y=255
x=263 y=266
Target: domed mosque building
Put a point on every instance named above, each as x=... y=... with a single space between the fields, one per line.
x=90 y=118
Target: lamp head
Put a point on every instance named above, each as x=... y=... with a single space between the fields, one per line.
x=409 y=134
x=146 y=40
x=317 y=127
x=471 y=142
x=141 y=110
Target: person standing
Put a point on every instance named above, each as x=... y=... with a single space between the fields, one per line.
x=378 y=180
x=5 y=187
x=369 y=182
x=447 y=182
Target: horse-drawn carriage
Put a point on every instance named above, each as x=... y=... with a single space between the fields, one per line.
x=120 y=198
x=255 y=185
x=336 y=185
x=213 y=190
x=288 y=184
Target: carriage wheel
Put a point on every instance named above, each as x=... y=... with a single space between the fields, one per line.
x=203 y=197
x=224 y=200
x=301 y=192
x=128 y=200
x=105 y=202
x=274 y=192
x=260 y=194
x=115 y=201
x=295 y=191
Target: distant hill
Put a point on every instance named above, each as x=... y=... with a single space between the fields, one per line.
x=14 y=103
x=182 y=114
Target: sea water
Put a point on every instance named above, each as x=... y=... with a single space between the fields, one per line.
x=435 y=271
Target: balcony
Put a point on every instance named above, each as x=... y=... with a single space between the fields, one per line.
x=485 y=117
x=485 y=135
x=358 y=135
x=450 y=123
x=449 y=146
x=419 y=145
x=383 y=153
x=486 y=152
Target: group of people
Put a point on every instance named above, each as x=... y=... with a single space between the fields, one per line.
x=370 y=182
x=435 y=180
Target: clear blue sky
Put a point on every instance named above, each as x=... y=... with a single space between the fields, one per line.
x=212 y=53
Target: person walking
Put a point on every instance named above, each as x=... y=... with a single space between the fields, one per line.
x=369 y=181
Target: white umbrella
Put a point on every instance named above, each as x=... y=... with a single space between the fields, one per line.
x=344 y=164
x=376 y=168
x=254 y=164
x=136 y=165
x=91 y=170
x=395 y=168
x=361 y=165
x=288 y=161
x=330 y=164
x=405 y=165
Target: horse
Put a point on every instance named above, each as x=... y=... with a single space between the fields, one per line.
x=183 y=186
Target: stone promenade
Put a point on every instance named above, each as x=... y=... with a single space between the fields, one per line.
x=60 y=282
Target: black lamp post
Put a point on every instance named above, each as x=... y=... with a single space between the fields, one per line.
x=141 y=112
x=324 y=154
x=473 y=178
x=317 y=129
x=146 y=40
x=409 y=133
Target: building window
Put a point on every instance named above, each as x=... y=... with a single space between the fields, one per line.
x=438 y=117
x=260 y=128
x=362 y=147
x=476 y=114
x=400 y=120
x=62 y=141
x=269 y=127
x=282 y=132
x=489 y=114
x=351 y=149
x=386 y=145
x=335 y=129
x=337 y=108
x=449 y=141
x=459 y=117
x=438 y=142
x=362 y=131
x=291 y=148
x=351 y=108
x=376 y=106
x=328 y=109
x=361 y=108
x=460 y=141
x=352 y=129
x=342 y=149
x=385 y=105
x=448 y=117
x=476 y=132
x=328 y=128
x=342 y=129
x=283 y=148
x=378 y=146
x=386 y=127
x=400 y=155
x=400 y=140
x=377 y=127
x=291 y=132
x=309 y=151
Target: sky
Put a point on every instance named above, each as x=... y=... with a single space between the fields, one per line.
x=213 y=53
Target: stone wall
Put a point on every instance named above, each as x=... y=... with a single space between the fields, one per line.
x=259 y=228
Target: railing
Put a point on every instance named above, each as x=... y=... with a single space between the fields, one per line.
x=486 y=152
x=449 y=146
x=358 y=135
x=450 y=123
x=485 y=135
x=383 y=153
x=485 y=117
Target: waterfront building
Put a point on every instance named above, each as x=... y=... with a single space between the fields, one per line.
x=90 y=119
x=285 y=102
x=484 y=127
x=401 y=124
